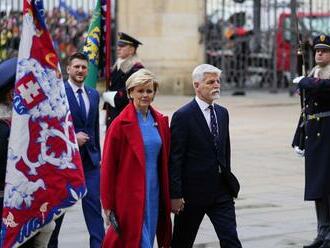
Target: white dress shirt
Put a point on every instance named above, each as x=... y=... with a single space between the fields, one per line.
x=75 y=88
x=204 y=106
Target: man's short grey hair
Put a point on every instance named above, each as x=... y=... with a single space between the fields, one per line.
x=200 y=70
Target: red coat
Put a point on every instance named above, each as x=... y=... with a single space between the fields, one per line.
x=123 y=180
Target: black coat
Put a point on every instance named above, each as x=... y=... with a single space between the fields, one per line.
x=4 y=136
x=194 y=166
x=118 y=83
x=317 y=138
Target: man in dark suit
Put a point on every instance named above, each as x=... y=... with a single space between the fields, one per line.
x=84 y=107
x=199 y=161
x=127 y=63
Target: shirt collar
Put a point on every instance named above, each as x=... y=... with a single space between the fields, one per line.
x=204 y=106
x=75 y=87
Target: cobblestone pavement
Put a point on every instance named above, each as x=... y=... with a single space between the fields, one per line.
x=270 y=209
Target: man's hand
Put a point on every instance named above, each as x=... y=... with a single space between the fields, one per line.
x=299 y=152
x=177 y=205
x=82 y=138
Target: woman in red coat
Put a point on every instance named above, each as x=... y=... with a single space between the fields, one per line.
x=134 y=172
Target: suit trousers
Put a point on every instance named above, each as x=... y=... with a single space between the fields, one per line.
x=91 y=206
x=41 y=239
x=322 y=207
x=222 y=215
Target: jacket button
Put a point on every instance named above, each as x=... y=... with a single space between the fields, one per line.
x=315 y=104
x=307 y=106
x=306 y=137
x=318 y=118
x=318 y=134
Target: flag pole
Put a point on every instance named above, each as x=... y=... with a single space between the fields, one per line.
x=108 y=45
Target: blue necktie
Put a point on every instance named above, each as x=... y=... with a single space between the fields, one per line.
x=81 y=103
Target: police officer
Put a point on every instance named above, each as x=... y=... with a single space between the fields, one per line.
x=315 y=128
x=127 y=63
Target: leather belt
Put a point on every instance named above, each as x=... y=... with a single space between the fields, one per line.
x=318 y=115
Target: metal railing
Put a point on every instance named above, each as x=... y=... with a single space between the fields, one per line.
x=17 y=5
x=255 y=41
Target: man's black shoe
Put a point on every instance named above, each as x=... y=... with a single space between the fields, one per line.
x=326 y=244
x=315 y=244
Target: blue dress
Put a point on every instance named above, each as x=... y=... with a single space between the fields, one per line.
x=152 y=145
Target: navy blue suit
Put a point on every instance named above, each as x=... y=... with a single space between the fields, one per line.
x=90 y=154
x=194 y=176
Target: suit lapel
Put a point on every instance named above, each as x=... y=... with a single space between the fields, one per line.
x=202 y=122
x=74 y=106
x=91 y=102
x=220 y=120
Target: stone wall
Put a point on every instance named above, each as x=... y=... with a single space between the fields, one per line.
x=169 y=32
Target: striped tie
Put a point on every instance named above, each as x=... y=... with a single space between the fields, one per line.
x=214 y=126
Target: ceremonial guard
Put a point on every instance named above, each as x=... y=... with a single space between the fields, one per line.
x=127 y=63
x=313 y=130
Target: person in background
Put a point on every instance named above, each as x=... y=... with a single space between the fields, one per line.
x=312 y=138
x=7 y=82
x=134 y=176
x=200 y=178
x=84 y=107
x=127 y=63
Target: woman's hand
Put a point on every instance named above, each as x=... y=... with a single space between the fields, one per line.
x=107 y=214
x=177 y=205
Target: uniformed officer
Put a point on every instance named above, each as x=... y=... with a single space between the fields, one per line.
x=315 y=128
x=127 y=63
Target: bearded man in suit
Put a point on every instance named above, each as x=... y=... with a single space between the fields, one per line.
x=200 y=178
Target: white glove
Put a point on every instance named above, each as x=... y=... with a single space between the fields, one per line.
x=109 y=97
x=297 y=79
x=299 y=152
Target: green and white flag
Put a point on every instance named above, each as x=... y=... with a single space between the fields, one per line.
x=93 y=47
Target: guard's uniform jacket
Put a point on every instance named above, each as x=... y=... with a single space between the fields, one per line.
x=120 y=73
x=317 y=132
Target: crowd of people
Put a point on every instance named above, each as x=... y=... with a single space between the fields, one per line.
x=68 y=31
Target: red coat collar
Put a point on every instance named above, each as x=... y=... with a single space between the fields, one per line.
x=129 y=114
x=129 y=120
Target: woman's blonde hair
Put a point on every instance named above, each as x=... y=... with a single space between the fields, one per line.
x=140 y=77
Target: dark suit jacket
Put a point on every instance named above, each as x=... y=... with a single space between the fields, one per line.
x=90 y=152
x=194 y=164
